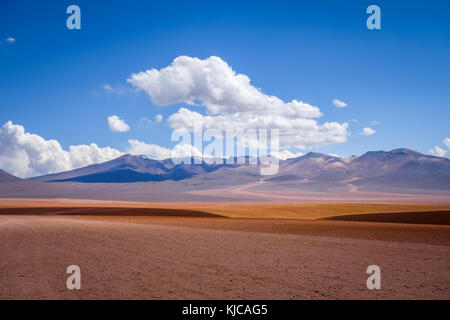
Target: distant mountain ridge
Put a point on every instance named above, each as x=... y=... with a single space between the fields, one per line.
x=7 y=177
x=129 y=168
x=398 y=168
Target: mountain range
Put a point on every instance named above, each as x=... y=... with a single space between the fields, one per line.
x=396 y=168
x=401 y=174
x=7 y=177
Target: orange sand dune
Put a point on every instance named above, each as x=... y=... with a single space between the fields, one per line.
x=236 y=210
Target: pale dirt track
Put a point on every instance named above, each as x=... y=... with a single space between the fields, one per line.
x=166 y=258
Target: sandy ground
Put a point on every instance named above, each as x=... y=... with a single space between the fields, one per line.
x=274 y=210
x=264 y=191
x=219 y=190
x=204 y=257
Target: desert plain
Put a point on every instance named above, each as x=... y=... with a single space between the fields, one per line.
x=137 y=250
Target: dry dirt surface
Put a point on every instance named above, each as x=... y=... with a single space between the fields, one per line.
x=273 y=210
x=131 y=255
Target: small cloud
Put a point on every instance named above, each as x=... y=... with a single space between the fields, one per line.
x=436 y=151
x=155 y=151
x=117 y=125
x=374 y=123
x=447 y=142
x=334 y=155
x=339 y=103
x=108 y=87
x=285 y=154
x=367 y=131
x=116 y=90
x=354 y=120
x=158 y=118
x=10 y=40
x=439 y=152
x=145 y=120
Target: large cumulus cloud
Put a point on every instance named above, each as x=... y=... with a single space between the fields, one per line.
x=25 y=155
x=157 y=152
x=231 y=102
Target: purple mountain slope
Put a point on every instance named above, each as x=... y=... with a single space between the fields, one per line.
x=127 y=169
x=7 y=177
x=399 y=168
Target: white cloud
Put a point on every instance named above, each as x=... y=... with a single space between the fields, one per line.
x=26 y=155
x=216 y=84
x=367 y=131
x=158 y=118
x=447 y=142
x=117 y=125
x=83 y=155
x=285 y=154
x=118 y=91
x=145 y=120
x=160 y=153
x=187 y=150
x=108 y=87
x=10 y=40
x=334 y=155
x=374 y=123
x=438 y=151
x=339 y=103
x=233 y=103
x=151 y=150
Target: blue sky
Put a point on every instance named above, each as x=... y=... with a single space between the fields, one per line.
x=52 y=78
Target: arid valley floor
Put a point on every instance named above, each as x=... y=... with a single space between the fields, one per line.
x=223 y=250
